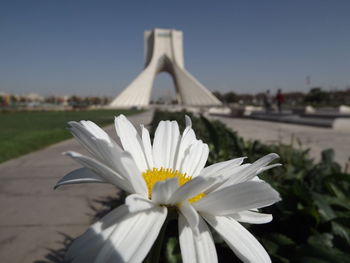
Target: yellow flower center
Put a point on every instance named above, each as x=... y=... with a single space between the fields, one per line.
x=156 y=175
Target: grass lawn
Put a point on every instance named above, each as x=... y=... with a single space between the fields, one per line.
x=24 y=132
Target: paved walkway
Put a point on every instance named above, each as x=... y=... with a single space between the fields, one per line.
x=317 y=139
x=32 y=214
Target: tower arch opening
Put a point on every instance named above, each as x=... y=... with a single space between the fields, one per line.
x=164 y=91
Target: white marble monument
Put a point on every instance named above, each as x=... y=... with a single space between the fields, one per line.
x=164 y=52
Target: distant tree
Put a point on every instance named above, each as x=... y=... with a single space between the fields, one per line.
x=51 y=100
x=246 y=99
x=294 y=97
x=339 y=97
x=96 y=100
x=13 y=100
x=86 y=102
x=21 y=99
x=74 y=101
x=218 y=95
x=105 y=100
x=317 y=95
x=230 y=97
x=2 y=101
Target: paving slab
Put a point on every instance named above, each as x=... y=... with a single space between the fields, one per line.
x=33 y=216
x=315 y=138
x=292 y=118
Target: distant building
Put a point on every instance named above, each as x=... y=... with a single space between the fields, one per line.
x=33 y=97
x=164 y=52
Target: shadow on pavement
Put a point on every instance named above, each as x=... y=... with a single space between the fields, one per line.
x=99 y=208
x=57 y=255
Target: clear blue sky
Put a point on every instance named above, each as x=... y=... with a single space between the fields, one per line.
x=96 y=47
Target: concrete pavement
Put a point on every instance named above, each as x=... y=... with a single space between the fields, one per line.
x=32 y=214
x=315 y=138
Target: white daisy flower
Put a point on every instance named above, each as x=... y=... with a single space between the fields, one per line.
x=168 y=174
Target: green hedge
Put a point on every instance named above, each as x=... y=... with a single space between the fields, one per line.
x=311 y=223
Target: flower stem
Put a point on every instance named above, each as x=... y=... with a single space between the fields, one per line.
x=154 y=254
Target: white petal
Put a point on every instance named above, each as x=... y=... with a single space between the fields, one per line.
x=147 y=147
x=175 y=137
x=225 y=175
x=96 y=130
x=197 y=245
x=195 y=159
x=191 y=189
x=257 y=179
x=236 y=198
x=252 y=217
x=191 y=215
x=83 y=135
x=222 y=167
x=133 y=237
x=163 y=190
x=187 y=139
x=137 y=203
x=265 y=168
x=243 y=244
x=253 y=169
x=133 y=174
x=263 y=161
x=131 y=141
x=230 y=176
x=165 y=144
x=85 y=248
x=103 y=171
x=188 y=250
x=158 y=142
x=98 y=143
x=130 y=180
x=88 y=129
x=81 y=175
x=188 y=121
x=106 y=151
x=247 y=172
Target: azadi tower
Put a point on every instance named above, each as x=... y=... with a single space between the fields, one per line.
x=164 y=52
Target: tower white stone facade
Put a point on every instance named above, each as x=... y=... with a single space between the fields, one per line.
x=164 y=52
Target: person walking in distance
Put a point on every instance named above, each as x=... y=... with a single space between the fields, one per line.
x=267 y=101
x=280 y=100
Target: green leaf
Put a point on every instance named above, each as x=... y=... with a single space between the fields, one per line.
x=317 y=252
x=336 y=191
x=271 y=246
x=324 y=239
x=310 y=260
x=327 y=156
x=323 y=207
x=340 y=231
x=172 y=255
x=281 y=239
